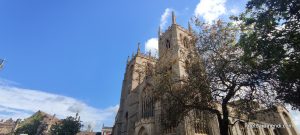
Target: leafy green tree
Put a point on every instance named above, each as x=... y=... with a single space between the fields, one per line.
x=68 y=126
x=233 y=81
x=270 y=36
x=219 y=80
x=181 y=97
x=30 y=128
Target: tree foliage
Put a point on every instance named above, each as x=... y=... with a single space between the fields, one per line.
x=235 y=82
x=180 y=97
x=68 y=126
x=32 y=125
x=218 y=77
x=271 y=31
x=29 y=128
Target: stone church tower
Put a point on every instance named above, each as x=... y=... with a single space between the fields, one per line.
x=174 y=46
x=140 y=115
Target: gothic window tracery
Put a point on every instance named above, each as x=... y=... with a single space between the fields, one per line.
x=147 y=106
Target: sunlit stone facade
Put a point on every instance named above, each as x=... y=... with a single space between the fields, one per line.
x=140 y=115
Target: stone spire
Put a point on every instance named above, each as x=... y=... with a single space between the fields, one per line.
x=76 y=117
x=159 y=31
x=139 y=50
x=173 y=18
x=190 y=27
x=128 y=59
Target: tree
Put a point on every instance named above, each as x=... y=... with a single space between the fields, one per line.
x=1 y=63
x=32 y=125
x=235 y=81
x=179 y=99
x=68 y=126
x=218 y=76
x=29 y=128
x=271 y=31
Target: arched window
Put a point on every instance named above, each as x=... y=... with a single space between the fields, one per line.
x=142 y=131
x=185 y=42
x=168 y=44
x=126 y=121
x=147 y=106
x=144 y=107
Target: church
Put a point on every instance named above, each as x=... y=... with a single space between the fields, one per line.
x=140 y=115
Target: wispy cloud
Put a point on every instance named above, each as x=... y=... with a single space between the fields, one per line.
x=296 y=118
x=234 y=11
x=16 y=102
x=5 y=82
x=164 y=17
x=151 y=45
x=210 y=10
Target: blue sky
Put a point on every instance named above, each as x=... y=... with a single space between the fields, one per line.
x=64 y=56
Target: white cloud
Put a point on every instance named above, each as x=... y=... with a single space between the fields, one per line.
x=151 y=45
x=6 y=82
x=164 y=17
x=18 y=102
x=210 y=10
x=234 y=11
x=295 y=117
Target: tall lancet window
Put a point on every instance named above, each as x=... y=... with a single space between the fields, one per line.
x=185 y=42
x=168 y=44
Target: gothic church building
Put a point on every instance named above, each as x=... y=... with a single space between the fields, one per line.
x=140 y=115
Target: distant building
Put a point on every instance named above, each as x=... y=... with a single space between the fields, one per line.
x=45 y=123
x=88 y=133
x=8 y=126
x=106 y=131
